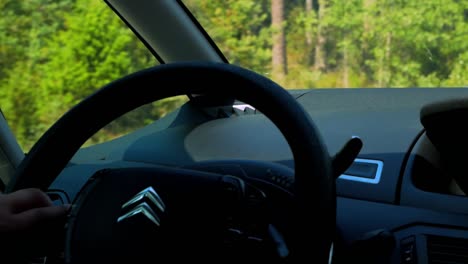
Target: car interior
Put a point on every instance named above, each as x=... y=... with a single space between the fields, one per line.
x=246 y=170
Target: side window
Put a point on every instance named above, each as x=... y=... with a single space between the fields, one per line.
x=55 y=53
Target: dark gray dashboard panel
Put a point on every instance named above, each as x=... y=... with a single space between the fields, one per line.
x=387 y=120
x=356 y=218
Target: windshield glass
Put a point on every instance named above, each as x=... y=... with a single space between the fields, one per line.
x=55 y=53
x=343 y=43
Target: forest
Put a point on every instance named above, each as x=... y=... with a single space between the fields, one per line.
x=55 y=53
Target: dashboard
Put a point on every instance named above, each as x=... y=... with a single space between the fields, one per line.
x=394 y=202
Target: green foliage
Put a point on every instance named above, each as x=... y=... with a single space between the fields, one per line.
x=240 y=27
x=458 y=74
x=93 y=50
x=53 y=54
x=388 y=43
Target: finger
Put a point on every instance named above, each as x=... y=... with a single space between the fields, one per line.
x=26 y=199
x=36 y=216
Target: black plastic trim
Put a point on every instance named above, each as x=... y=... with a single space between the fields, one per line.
x=205 y=100
x=147 y=45
x=404 y=165
x=202 y=30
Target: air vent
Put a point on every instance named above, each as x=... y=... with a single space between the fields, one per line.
x=364 y=170
x=447 y=250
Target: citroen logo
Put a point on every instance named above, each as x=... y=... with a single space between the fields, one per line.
x=146 y=203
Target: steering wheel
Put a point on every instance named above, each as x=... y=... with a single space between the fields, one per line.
x=183 y=213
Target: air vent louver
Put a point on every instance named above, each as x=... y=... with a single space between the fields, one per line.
x=447 y=250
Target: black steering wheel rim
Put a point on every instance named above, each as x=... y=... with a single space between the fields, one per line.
x=314 y=184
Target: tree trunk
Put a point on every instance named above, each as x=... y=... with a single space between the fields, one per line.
x=388 y=54
x=321 y=39
x=366 y=24
x=308 y=34
x=384 y=63
x=308 y=9
x=367 y=6
x=345 y=65
x=279 y=63
x=380 y=75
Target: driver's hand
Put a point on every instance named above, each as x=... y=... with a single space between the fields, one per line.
x=25 y=209
x=28 y=222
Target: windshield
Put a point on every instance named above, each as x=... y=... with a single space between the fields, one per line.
x=55 y=53
x=343 y=43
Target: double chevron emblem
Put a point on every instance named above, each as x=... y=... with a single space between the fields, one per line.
x=146 y=203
